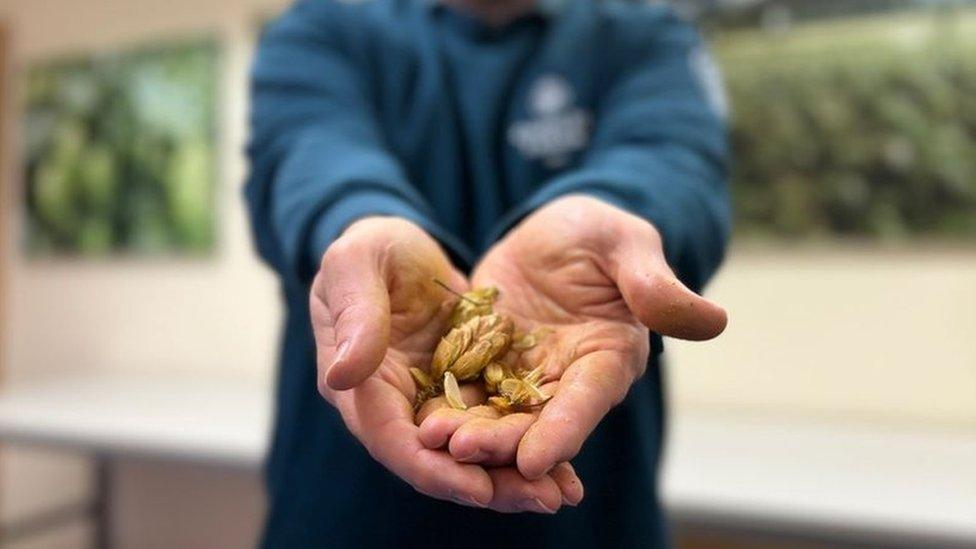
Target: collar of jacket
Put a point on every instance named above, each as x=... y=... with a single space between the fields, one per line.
x=544 y=8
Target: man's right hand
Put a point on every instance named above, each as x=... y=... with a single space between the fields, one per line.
x=376 y=312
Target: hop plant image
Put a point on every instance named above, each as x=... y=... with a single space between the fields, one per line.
x=482 y=347
x=121 y=152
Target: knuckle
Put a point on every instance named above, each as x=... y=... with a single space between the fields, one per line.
x=341 y=250
x=652 y=235
x=333 y=255
x=579 y=203
x=573 y=433
x=464 y=438
x=658 y=280
x=318 y=284
x=618 y=395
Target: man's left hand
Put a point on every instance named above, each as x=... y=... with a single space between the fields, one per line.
x=597 y=277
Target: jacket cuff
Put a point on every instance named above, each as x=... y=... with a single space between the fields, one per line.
x=354 y=207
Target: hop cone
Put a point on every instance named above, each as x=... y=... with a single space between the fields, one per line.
x=466 y=350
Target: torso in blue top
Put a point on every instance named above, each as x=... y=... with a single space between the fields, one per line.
x=405 y=107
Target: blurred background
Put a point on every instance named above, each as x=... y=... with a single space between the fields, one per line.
x=138 y=330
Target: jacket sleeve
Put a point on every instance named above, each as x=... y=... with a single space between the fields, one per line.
x=659 y=150
x=318 y=157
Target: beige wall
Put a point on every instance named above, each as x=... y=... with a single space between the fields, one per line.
x=860 y=331
x=211 y=314
x=127 y=314
x=847 y=333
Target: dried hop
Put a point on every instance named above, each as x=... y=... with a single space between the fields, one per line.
x=494 y=374
x=473 y=349
x=477 y=302
x=466 y=350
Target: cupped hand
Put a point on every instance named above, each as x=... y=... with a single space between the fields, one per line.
x=596 y=277
x=376 y=313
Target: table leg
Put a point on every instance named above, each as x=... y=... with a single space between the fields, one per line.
x=102 y=504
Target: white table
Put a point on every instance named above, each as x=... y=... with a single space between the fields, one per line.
x=223 y=421
x=220 y=419
x=865 y=482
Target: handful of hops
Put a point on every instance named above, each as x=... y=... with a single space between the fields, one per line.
x=475 y=349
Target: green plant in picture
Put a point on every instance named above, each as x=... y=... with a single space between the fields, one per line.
x=861 y=127
x=120 y=152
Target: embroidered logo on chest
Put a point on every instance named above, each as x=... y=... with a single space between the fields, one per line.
x=555 y=128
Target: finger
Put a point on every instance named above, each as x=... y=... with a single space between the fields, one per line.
x=589 y=388
x=472 y=394
x=569 y=483
x=490 y=441
x=436 y=429
x=515 y=494
x=352 y=337
x=657 y=298
x=387 y=430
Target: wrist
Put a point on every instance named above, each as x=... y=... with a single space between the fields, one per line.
x=379 y=237
x=590 y=220
x=383 y=227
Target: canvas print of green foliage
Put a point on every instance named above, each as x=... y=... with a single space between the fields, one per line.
x=860 y=127
x=121 y=152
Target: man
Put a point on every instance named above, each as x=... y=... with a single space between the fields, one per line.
x=577 y=148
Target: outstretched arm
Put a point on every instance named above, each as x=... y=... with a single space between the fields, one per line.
x=607 y=253
x=318 y=157
x=659 y=150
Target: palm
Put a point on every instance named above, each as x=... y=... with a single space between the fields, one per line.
x=596 y=280
x=417 y=320
x=575 y=268
x=390 y=391
x=546 y=283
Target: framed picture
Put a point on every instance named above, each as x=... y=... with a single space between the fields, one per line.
x=121 y=152
x=843 y=128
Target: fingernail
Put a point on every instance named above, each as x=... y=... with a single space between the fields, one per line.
x=537 y=506
x=477 y=503
x=477 y=457
x=340 y=353
x=330 y=371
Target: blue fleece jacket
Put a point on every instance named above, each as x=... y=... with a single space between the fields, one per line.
x=408 y=108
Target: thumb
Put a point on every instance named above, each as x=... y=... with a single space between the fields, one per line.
x=353 y=332
x=658 y=299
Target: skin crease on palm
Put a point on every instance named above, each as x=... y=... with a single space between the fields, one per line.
x=591 y=273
